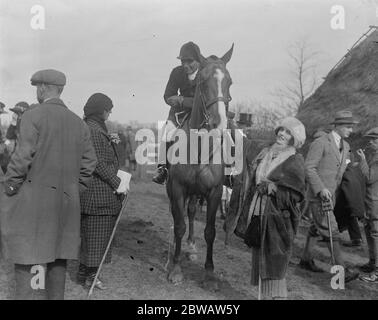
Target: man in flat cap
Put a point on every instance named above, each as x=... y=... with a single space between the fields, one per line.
x=40 y=211
x=325 y=164
x=179 y=95
x=370 y=171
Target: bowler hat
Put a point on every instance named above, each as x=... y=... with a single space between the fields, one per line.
x=344 y=117
x=20 y=107
x=372 y=133
x=189 y=51
x=48 y=76
x=245 y=119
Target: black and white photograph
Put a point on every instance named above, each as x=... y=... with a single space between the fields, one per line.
x=200 y=153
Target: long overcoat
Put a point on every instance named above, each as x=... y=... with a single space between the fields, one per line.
x=53 y=162
x=100 y=198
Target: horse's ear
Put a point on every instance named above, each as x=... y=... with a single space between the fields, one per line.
x=227 y=57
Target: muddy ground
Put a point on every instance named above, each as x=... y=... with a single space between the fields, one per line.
x=140 y=256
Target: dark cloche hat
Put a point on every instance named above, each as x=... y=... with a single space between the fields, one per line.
x=190 y=51
x=48 y=76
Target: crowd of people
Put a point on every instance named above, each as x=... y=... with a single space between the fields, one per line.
x=327 y=187
x=62 y=190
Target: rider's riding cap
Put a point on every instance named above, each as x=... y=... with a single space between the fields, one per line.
x=189 y=51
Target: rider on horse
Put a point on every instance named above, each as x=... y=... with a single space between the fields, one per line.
x=179 y=94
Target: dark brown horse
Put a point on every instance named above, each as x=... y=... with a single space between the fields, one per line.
x=186 y=181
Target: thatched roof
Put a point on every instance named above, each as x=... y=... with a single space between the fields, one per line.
x=352 y=85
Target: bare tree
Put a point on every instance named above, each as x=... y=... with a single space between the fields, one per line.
x=291 y=96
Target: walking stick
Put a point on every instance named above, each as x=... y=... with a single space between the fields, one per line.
x=327 y=207
x=124 y=203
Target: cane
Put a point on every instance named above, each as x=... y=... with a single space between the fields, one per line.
x=327 y=207
x=124 y=203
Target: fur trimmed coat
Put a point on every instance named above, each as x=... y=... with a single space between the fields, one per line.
x=280 y=216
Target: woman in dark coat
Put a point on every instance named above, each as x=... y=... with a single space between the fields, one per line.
x=101 y=202
x=276 y=188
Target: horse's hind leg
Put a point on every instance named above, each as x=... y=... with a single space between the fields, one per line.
x=192 y=208
x=213 y=200
x=177 y=206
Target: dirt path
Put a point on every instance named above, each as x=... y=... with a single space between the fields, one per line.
x=139 y=258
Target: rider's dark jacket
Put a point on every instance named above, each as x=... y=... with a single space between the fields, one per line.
x=179 y=84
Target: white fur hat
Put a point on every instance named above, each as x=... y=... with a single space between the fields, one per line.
x=296 y=129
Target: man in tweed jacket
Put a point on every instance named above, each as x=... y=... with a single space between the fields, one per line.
x=325 y=165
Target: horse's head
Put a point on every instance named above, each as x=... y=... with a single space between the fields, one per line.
x=213 y=86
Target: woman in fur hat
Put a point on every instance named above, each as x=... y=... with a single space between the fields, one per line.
x=271 y=210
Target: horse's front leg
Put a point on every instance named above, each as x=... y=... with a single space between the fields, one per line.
x=175 y=274
x=192 y=208
x=213 y=200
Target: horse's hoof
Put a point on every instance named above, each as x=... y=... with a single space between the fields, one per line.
x=211 y=283
x=175 y=276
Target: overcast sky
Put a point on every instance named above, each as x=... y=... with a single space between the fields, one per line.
x=127 y=48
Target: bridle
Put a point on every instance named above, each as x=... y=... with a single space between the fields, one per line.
x=207 y=104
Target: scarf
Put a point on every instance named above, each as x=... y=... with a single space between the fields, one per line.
x=274 y=157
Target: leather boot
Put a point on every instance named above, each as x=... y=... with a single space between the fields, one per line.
x=161 y=173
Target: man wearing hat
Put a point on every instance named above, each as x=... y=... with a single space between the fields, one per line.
x=370 y=171
x=14 y=127
x=40 y=209
x=179 y=95
x=325 y=164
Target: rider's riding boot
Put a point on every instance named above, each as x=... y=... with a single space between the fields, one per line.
x=161 y=174
x=162 y=169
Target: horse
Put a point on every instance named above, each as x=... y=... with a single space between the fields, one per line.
x=187 y=181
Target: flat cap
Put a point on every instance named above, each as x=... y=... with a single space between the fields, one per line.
x=372 y=133
x=48 y=76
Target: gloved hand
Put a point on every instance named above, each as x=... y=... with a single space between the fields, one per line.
x=175 y=101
